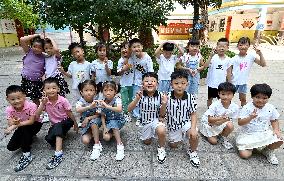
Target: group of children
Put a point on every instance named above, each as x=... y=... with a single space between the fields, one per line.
x=163 y=103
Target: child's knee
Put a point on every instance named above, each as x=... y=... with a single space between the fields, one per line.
x=230 y=126
x=86 y=140
x=107 y=136
x=147 y=142
x=173 y=145
x=245 y=154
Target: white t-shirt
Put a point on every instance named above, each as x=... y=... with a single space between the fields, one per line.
x=262 y=121
x=241 y=68
x=217 y=71
x=51 y=66
x=141 y=66
x=217 y=109
x=191 y=62
x=79 y=72
x=126 y=78
x=98 y=68
x=166 y=66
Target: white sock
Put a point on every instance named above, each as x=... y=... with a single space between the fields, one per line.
x=58 y=153
x=27 y=154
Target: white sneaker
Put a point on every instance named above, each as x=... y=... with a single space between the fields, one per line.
x=271 y=158
x=137 y=122
x=194 y=159
x=127 y=118
x=225 y=142
x=161 y=156
x=120 y=153
x=97 y=148
x=44 y=117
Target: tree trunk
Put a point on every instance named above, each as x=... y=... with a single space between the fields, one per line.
x=146 y=37
x=204 y=21
x=80 y=31
x=195 y=19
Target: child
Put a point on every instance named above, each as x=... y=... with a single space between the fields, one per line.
x=167 y=62
x=100 y=68
x=259 y=125
x=112 y=117
x=150 y=103
x=33 y=66
x=52 y=61
x=124 y=69
x=241 y=65
x=21 y=116
x=87 y=106
x=77 y=70
x=181 y=115
x=142 y=64
x=193 y=63
x=217 y=120
x=61 y=117
x=218 y=68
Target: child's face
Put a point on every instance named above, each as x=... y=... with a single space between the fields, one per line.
x=51 y=90
x=167 y=54
x=48 y=48
x=102 y=52
x=88 y=92
x=109 y=92
x=226 y=96
x=193 y=49
x=259 y=100
x=16 y=99
x=37 y=48
x=78 y=53
x=243 y=48
x=222 y=48
x=150 y=84
x=179 y=85
x=137 y=48
x=124 y=51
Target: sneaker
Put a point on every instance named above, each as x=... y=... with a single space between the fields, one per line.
x=120 y=153
x=44 y=117
x=127 y=118
x=97 y=148
x=225 y=142
x=161 y=156
x=54 y=162
x=137 y=122
x=23 y=162
x=270 y=156
x=194 y=159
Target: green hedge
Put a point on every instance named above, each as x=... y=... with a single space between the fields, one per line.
x=114 y=55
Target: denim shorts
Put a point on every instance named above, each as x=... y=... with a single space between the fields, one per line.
x=193 y=84
x=242 y=88
x=115 y=124
x=96 y=121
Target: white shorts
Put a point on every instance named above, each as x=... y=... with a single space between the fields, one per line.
x=148 y=131
x=180 y=134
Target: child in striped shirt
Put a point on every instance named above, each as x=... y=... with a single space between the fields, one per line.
x=150 y=102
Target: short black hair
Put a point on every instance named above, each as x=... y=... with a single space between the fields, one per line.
x=150 y=74
x=168 y=46
x=86 y=82
x=179 y=74
x=38 y=40
x=134 y=40
x=14 y=88
x=111 y=84
x=100 y=45
x=244 y=40
x=47 y=41
x=261 y=89
x=74 y=45
x=223 y=40
x=193 y=41
x=50 y=80
x=227 y=86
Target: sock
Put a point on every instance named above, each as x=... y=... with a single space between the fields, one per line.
x=58 y=153
x=27 y=154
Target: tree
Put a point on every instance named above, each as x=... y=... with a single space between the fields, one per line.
x=125 y=18
x=197 y=4
x=19 y=10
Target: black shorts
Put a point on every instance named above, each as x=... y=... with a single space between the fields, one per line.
x=62 y=85
x=59 y=129
x=33 y=89
x=213 y=93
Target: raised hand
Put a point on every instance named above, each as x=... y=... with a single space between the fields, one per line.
x=164 y=98
x=257 y=50
x=253 y=114
x=44 y=98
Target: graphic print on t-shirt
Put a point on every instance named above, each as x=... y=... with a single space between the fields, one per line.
x=243 y=66
x=219 y=67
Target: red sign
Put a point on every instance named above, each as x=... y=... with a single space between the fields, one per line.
x=175 y=29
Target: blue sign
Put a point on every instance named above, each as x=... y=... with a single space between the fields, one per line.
x=260 y=27
x=198 y=26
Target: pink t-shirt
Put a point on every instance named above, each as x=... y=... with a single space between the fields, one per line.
x=57 y=111
x=28 y=111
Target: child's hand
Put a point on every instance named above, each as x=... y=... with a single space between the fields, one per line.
x=9 y=130
x=103 y=104
x=106 y=130
x=60 y=68
x=16 y=121
x=278 y=134
x=76 y=128
x=257 y=50
x=213 y=52
x=139 y=94
x=193 y=73
x=44 y=98
x=164 y=98
x=85 y=122
x=193 y=133
x=94 y=104
x=253 y=114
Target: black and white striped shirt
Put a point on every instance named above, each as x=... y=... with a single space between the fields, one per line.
x=149 y=107
x=179 y=110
